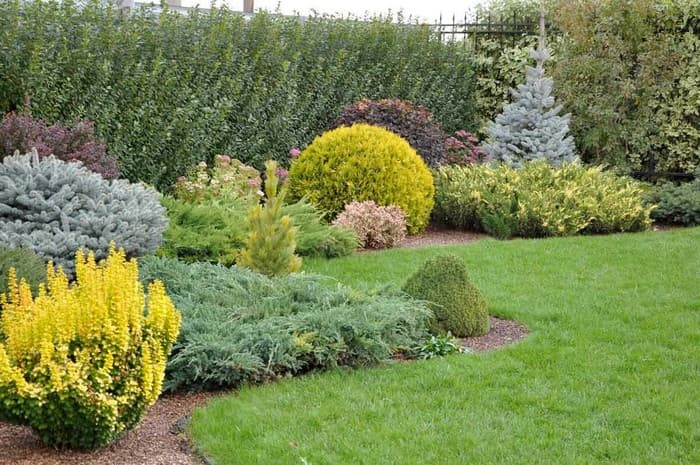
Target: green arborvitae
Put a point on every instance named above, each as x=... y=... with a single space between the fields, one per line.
x=457 y=304
x=271 y=237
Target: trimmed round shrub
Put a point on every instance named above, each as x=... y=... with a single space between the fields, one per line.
x=56 y=208
x=27 y=265
x=364 y=162
x=412 y=122
x=77 y=143
x=81 y=363
x=457 y=304
x=377 y=227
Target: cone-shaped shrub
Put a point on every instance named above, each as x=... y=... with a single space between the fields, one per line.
x=81 y=363
x=364 y=162
x=271 y=237
x=457 y=304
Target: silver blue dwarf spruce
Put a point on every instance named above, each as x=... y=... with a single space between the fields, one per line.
x=55 y=208
x=530 y=127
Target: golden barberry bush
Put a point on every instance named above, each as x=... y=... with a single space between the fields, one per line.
x=80 y=363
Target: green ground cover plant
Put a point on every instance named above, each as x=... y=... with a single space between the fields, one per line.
x=608 y=374
x=242 y=327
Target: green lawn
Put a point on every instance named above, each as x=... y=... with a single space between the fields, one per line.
x=609 y=374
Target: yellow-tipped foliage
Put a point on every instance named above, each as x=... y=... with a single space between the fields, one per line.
x=80 y=363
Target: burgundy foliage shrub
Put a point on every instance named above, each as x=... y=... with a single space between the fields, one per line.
x=76 y=143
x=462 y=148
x=412 y=122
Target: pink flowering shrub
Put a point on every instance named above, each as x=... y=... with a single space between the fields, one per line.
x=462 y=148
x=228 y=179
x=377 y=227
x=76 y=143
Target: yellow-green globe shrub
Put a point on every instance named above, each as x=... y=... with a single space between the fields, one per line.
x=360 y=163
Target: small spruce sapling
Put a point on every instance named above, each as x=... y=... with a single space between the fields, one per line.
x=271 y=239
x=530 y=127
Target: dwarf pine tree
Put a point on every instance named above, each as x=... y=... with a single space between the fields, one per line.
x=530 y=127
x=271 y=240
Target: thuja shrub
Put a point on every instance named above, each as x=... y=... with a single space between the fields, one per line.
x=364 y=162
x=539 y=200
x=415 y=123
x=240 y=326
x=315 y=237
x=377 y=227
x=206 y=231
x=81 y=363
x=27 y=266
x=55 y=208
x=458 y=306
x=68 y=143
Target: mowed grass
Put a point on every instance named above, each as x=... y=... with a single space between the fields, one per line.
x=609 y=374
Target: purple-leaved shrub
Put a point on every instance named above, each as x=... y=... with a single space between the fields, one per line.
x=77 y=143
x=376 y=226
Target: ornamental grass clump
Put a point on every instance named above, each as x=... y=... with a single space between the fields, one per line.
x=81 y=363
x=377 y=227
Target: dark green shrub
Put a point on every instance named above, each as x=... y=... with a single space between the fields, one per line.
x=168 y=90
x=315 y=238
x=206 y=231
x=239 y=326
x=364 y=162
x=412 y=122
x=458 y=305
x=215 y=231
x=538 y=200
x=676 y=204
x=27 y=265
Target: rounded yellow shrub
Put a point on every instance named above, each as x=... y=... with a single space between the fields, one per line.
x=80 y=363
x=360 y=163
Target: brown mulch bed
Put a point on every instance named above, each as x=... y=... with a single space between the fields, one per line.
x=501 y=333
x=440 y=235
x=159 y=440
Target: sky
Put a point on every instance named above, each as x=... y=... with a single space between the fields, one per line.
x=424 y=10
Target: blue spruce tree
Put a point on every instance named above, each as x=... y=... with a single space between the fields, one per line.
x=530 y=127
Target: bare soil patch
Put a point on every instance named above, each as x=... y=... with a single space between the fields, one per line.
x=501 y=333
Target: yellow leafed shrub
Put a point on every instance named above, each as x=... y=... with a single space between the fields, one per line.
x=80 y=363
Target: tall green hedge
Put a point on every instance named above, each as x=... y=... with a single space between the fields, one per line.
x=168 y=90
